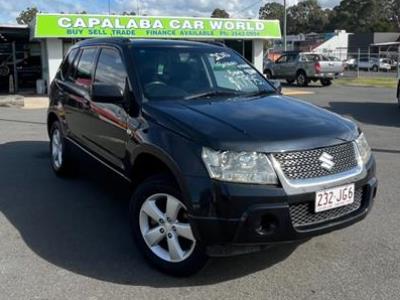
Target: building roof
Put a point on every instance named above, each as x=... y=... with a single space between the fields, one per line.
x=16 y=26
x=386 y=44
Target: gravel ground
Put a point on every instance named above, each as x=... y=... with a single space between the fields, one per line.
x=69 y=239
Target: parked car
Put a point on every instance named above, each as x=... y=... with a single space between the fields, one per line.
x=217 y=159
x=374 y=64
x=303 y=68
x=350 y=64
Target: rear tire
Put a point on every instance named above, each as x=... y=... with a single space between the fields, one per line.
x=301 y=79
x=161 y=228
x=326 y=82
x=60 y=151
x=268 y=74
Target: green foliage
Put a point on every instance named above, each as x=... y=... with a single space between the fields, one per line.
x=129 y=13
x=392 y=12
x=307 y=16
x=219 y=13
x=272 y=11
x=351 y=15
x=27 y=15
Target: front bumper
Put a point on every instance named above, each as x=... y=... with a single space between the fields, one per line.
x=241 y=214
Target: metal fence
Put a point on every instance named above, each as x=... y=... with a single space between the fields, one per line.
x=361 y=62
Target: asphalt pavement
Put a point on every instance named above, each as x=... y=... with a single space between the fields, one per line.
x=69 y=238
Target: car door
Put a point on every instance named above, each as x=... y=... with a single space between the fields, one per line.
x=280 y=67
x=76 y=89
x=106 y=129
x=290 y=66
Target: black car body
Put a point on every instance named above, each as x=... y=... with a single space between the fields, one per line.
x=199 y=143
x=398 y=93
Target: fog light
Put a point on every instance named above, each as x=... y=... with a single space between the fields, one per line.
x=266 y=225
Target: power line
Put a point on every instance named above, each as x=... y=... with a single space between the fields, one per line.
x=250 y=6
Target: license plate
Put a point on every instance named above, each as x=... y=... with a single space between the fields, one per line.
x=333 y=198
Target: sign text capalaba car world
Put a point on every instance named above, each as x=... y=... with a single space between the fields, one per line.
x=88 y=26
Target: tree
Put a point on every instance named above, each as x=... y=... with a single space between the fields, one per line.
x=129 y=13
x=392 y=11
x=272 y=11
x=363 y=15
x=307 y=16
x=220 y=13
x=27 y=15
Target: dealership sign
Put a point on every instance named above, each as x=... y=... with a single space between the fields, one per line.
x=90 y=26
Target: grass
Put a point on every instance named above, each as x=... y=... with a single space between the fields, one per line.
x=385 y=82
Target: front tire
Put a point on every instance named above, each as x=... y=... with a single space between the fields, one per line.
x=60 y=153
x=268 y=74
x=162 y=230
x=301 y=79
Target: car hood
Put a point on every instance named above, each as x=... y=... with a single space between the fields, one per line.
x=266 y=124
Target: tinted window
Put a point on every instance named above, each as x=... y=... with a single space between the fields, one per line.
x=110 y=69
x=188 y=73
x=68 y=62
x=83 y=74
x=291 y=58
x=282 y=59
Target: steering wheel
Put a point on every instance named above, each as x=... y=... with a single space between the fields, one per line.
x=154 y=84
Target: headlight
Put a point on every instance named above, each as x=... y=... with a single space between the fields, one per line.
x=245 y=167
x=363 y=148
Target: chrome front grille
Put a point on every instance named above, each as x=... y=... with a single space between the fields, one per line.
x=303 y=214
x=306 y=164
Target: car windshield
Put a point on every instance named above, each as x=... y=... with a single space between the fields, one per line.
x=184 y=73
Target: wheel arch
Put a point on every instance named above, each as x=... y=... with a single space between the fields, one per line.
x=51 y=118
x=149 y=160
x=301 y=70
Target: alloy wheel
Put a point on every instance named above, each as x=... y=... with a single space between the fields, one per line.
x=165 y=228
x=56 y=148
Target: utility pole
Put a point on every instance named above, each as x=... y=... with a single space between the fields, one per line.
x=109 y=7
x=284 y=26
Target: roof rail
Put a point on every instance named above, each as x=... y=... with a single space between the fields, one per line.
x=119 y=40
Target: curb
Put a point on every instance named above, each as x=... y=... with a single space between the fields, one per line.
x=24 y=102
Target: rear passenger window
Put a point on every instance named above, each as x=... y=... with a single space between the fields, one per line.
x=110 y=69
x=83 y=76
x=66 y=67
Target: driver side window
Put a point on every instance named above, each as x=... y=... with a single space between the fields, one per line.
x=282 y=59
x=110 y=69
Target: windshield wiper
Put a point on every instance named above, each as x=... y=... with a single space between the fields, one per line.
x=211 y=94
x=261 y=93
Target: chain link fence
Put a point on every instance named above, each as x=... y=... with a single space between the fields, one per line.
x=367 y=62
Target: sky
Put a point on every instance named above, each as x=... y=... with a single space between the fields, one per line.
x=9 y=9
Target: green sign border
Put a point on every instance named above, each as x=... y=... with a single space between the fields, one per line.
x=92 y=26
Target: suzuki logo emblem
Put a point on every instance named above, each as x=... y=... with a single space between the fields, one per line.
x=327 y=161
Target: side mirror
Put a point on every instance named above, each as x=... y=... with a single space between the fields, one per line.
x=106 y=93
x=277 y=85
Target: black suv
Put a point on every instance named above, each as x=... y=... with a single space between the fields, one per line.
x=216 y=156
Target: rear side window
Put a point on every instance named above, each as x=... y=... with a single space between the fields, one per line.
x=83 y=76
x=110 y=69
x=66 y=66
